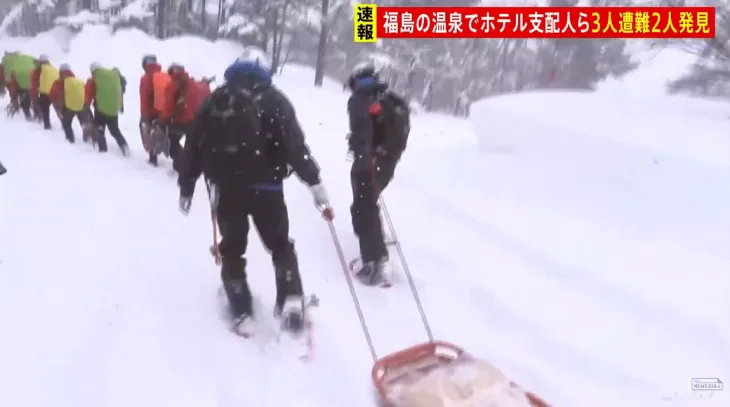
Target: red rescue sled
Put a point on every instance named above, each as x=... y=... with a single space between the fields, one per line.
x=439 y=374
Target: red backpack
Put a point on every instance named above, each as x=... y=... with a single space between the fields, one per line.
x=196 y=93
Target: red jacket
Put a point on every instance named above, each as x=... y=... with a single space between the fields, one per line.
x=57 y=87
x=177 y=108
x=35 y=79
x=89 y=92
x=147 y=92
x=13 y=89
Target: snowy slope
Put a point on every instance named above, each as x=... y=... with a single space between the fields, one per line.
x=590 y=264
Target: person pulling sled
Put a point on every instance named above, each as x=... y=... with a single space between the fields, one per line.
x=379 y=128
x=243 y=139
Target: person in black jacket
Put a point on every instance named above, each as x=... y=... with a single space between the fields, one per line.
x=379 y=128
x=244 y=138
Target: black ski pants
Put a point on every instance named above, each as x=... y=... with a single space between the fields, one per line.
x=67 y=117
x=175 y=133
x=44 y=110
x=268 y=210
x=367 y=185
x=24 y=102
x=102 y=122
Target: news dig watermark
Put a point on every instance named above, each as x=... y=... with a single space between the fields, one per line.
x=702 y=388
x=707 y=384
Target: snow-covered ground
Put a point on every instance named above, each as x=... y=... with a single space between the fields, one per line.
x=579 y=242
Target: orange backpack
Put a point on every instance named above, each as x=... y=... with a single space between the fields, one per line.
x=160 y=80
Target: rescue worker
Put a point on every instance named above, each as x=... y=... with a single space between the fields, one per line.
x=17 y=72
x=183 y=96
x=242 y=140
x=147 y=111
x=67 y=96
x=379 y=129
x=41 y=80
x=103 y=91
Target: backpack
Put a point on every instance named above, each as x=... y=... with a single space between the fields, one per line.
x=234 y=146
x=393 y=122
x=160 y=80
x=193 y=95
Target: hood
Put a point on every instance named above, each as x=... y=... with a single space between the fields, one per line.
x=249 y=71
x=152 y=68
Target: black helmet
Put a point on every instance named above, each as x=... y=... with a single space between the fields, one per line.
x=148 y=59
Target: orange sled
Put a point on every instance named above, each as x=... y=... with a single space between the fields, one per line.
x=439 y=374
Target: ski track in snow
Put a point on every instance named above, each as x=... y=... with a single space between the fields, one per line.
x=588 y=268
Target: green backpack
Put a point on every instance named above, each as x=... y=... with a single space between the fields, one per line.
x=108 y=91
x=23 y=65
x=7 y=62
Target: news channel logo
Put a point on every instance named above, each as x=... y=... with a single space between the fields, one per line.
x=707 y=384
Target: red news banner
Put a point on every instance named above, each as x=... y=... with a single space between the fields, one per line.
x=545 y=22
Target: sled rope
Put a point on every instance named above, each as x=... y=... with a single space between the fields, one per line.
x=407 y=271
x=414 y=290
x=353 y=293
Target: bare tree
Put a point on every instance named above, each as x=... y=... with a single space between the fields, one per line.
x=322 y=45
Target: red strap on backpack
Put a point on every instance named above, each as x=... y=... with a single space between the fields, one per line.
x=375 y=109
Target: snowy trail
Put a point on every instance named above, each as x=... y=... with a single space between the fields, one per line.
x=135 y=292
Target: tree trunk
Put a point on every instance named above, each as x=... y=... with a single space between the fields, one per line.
x=275 y=41
x=161 y=18
x=221 y=13
x=203 y=18
x=322 y=46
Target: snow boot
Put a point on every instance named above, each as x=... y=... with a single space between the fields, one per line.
x=374 y=273
x=153 y=160
x=240 y=306
x=291 y=313
x=385 y=271
x=240 y=303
